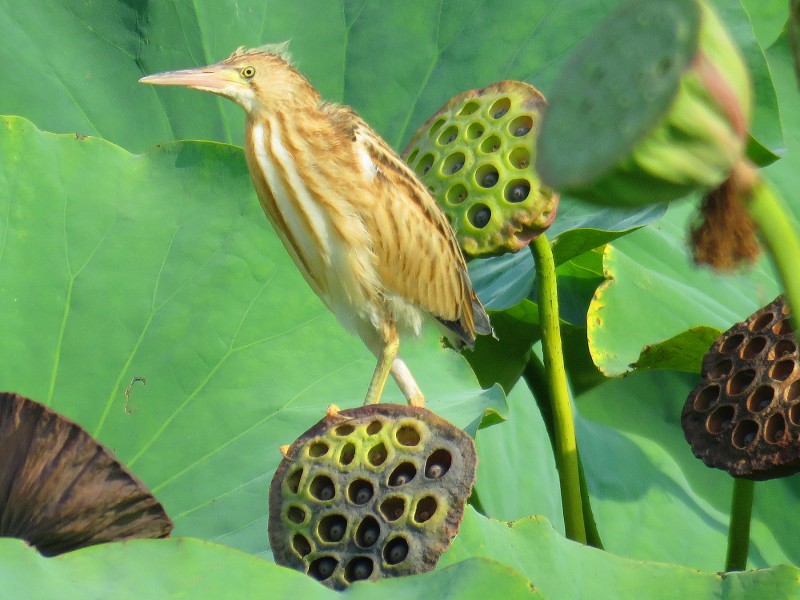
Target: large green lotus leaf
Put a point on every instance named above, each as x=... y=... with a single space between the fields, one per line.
x=517 y=473
x=162 y=266
x=654 y=292
x=652 y=498
x=152 y=569
x=396 y=62
x=156 y=569
x=503 y=281
x=74 y=65
x=562 y=569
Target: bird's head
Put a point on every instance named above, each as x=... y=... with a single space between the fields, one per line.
x=254 y=79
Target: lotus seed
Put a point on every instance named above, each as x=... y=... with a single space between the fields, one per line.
x=325 y=567
x=481 y=217
x=489 y=179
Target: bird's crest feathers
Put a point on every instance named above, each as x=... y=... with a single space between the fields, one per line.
x=281 y=50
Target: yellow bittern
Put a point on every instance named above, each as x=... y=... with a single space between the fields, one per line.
x=367 y=236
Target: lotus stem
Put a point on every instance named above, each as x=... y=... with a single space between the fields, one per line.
x=739 y=528
x=566 y=449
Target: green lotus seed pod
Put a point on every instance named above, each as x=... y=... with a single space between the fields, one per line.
x=654 y=105
x=475 y=155
x=371 y=492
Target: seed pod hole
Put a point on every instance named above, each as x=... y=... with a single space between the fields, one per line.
x=293 y=480
x=453 y=163
x=438 y=464
x=323 y=567
x=782 y=348
x=720 y=419
x=317 y=449
x=424 y=165
x=413 y=156
x=344 y=430
x=721 y=369
x=479 y=215
x=407 y=435
x=402 y=474
x=377 y=455
x=296 y=514
x=760 y=399
x=783 y=327
x=761 y=322
x=368 y=532
x=706 y=398
x=457 y=194
x=360 y=491
x=793 y=393
x=426 y=508
x=347 y=454
x=520 y=126
x=517 y=190
x=487 y=176
x=520 y=158
x=468 y=109
x=475 y=130
x=731 y=343
x=781 y=370
x=436 y=126
x=774 y=428
x=449 y=135
x=395 y=551
x=301 y=545
x=332 y=528
x=500 y=107
x=393 y=508
x=322 y=488
x=741 y=381
x=753 y=347
x=374 y=427
x=490 y=144
x=745 y=433
x=359 y=568
x=794 y=413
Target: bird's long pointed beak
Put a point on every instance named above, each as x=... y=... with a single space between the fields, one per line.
x=212 y=77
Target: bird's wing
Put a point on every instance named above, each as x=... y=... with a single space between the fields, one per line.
x=417 y=254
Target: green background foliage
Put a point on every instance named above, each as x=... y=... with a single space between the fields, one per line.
x=136 y=255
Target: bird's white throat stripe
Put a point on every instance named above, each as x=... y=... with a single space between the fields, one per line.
x=310 y=229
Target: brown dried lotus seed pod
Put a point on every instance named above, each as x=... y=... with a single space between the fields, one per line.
x=475 y=154
x=744 y=416
x=61 y=490
x=370 y=492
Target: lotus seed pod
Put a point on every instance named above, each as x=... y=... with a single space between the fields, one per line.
x=371 y=492
x=744 y=416
x=475 y=155
x=654 y=105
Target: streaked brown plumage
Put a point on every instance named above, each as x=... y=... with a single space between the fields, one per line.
x=364 y=232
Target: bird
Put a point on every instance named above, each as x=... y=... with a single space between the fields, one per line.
x=366 y=234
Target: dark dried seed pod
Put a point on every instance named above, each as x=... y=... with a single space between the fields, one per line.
x=744 y=416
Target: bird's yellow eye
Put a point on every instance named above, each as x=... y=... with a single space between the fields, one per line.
x=248 y=72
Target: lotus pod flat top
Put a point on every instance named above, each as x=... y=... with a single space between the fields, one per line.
x=371 y=492
x=616 y=88
x=744 y=416
x=475 y=155
x=61 y=490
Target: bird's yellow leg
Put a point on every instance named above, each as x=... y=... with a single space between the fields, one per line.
x=384 y=366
